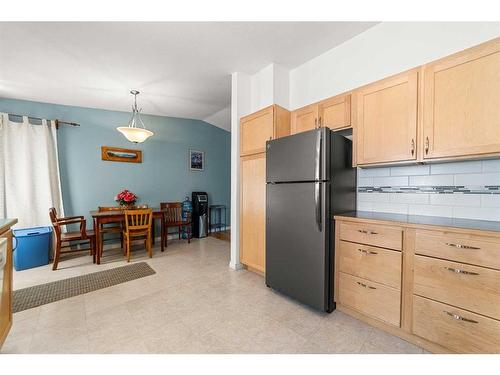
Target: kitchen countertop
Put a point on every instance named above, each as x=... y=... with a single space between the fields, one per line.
x=493 y=226
x=6 y=223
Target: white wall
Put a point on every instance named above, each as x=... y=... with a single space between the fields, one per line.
x=240 y=105
x=385 y=49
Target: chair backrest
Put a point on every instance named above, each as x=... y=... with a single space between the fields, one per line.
x=138 y=219
x=53 y=215
x=172 y=211
x=110 y=208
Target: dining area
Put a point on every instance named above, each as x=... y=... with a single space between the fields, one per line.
x=123 y=225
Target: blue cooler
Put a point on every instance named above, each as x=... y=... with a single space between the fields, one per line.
x=31 y=247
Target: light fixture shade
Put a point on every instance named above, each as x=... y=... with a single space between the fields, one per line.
x=136 y=135
x=135 y=131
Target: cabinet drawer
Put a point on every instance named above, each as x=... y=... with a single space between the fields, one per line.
x=478 y=250
x=371 y=263
x=469 y=287
x=455 y=329
x=376 y=235
x=371 y=298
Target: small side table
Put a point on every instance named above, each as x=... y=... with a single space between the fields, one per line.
x=217 y=218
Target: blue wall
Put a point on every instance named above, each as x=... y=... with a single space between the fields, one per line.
x=163 y=175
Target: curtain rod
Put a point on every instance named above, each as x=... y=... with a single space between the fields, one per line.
x=58 y=122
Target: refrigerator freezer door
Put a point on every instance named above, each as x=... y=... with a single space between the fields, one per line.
x=297 y=242
x=299 y=157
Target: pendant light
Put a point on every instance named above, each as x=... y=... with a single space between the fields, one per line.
x=135 y=131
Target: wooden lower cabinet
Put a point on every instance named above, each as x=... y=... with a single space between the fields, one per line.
x=441 y=291
x=459 y=330
x=374 y=299
x=5 y=282
x=253 y=211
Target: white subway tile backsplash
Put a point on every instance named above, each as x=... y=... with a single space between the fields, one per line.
x=478 y=179
x=395 y=208
x=472 y=175
x=374 y=172
x=490 y=200
x=411 y=170
x=364 y=206
x=430 y=210
x=390 y=181
x=433 y=180
x=457 y=199
x=365 y=181
x=411 y=198
x=478 y=213
x=373 y=197
x=458 y=167
x=492 y=165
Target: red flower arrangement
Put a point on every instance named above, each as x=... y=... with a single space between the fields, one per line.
x=126 y=198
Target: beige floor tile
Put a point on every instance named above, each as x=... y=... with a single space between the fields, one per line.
x=193 y=304
x=384 y=343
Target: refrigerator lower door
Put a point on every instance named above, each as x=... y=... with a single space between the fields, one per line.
x=298 y=259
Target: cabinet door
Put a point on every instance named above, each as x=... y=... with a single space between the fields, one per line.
x=253 y=211
x=335 y=113
x=5 y=285
x=462 y=103
x=387 y=120
x=256 y=129
x=305 y=118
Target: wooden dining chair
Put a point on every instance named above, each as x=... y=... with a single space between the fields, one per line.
x=79 y=237
x=172 y=218
x=109 y=228
x=138 y=224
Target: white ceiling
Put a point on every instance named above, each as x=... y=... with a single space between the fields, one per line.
x=182 y=69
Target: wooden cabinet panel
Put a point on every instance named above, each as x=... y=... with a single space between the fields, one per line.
x=371 y=263
x=456 y=329
x=371 y=298
x=253 y=211
x=461 y=103
x=469 y=287
x=305 y=118
x=386 y=126
x=335 y=113
x=466 y=248
x=372 y=234
x=256 y=129
x=5 y=285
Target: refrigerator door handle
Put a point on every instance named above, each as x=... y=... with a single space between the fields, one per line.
x=318 y=155
x=317 y=202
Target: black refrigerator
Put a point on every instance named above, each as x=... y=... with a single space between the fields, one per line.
x=309 y=178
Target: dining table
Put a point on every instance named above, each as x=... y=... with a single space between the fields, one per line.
x=116 y=216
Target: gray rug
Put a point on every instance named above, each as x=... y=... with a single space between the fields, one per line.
x=38 y=295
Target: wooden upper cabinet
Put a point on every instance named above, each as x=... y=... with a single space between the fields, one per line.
x=253 y=211
x=461 y=103
x=270 y=123
x=335 y=113
x=305 y=118
x=386 y=120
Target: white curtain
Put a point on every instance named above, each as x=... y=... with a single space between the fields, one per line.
x=29 y=171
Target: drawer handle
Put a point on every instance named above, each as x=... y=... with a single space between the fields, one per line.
x=456 y=270
x=365 y=286
x=367 y=252
x=459 y=246
x=366 y=231
x=461 y=318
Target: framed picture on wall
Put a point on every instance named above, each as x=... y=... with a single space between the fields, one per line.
x=196 y=160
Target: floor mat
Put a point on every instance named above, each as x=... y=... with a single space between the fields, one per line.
x=38 y=295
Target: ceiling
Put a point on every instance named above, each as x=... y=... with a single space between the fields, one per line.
x=181 y=68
